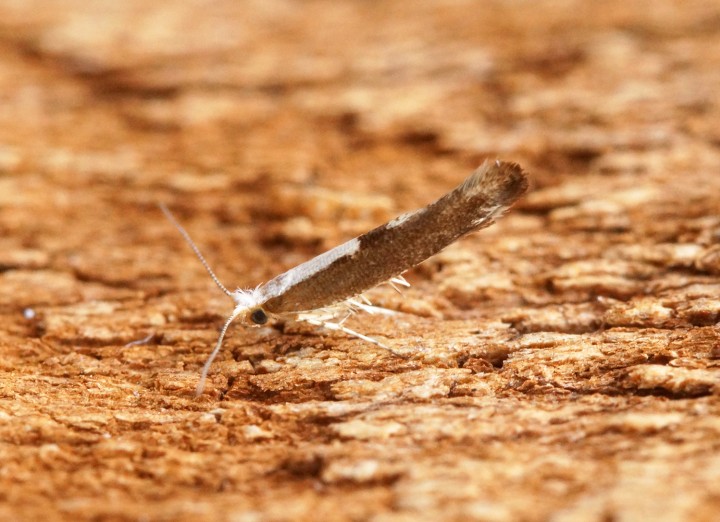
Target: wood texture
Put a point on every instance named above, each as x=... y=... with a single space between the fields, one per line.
x=564 y=361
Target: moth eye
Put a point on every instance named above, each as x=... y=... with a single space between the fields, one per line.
x=259 y=316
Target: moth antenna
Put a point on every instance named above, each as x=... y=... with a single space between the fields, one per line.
x=211 y=358
x=194 y=247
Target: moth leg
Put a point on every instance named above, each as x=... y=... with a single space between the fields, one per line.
x=368 y=308
x=394 y=286
x=398 y=280
x=353 y=333
x=347 y=316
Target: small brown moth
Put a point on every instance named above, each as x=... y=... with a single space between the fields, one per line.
x=312 y=291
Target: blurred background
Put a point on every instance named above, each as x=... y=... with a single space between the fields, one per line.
x=566 y=357
x=242 y=101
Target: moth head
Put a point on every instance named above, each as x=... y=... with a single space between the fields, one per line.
x=247 y=302
x=251 y=316
x=258 y=316
x=248 y=311
x=248 y=307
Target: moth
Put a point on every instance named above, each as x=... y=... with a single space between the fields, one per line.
x=315 y=290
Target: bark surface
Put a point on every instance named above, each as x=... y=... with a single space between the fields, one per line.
x=564 y=363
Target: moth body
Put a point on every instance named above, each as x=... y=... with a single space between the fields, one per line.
x=308 y=291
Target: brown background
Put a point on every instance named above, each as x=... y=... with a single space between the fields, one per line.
x=564 y=362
